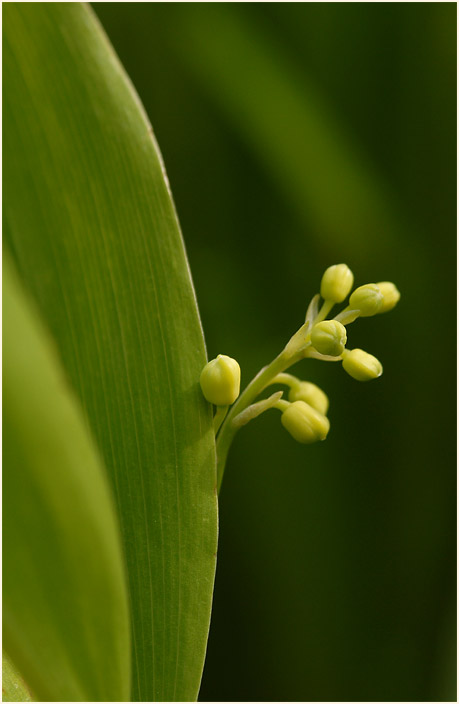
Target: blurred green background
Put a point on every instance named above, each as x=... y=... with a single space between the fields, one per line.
x=296 y=136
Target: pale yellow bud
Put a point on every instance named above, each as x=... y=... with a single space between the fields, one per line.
x=361 y=365
x=304 y=423
x=329 y=337
x=311 y=394
x=367 y=299
x=221 y=380
x=336 y=283
x=390 y=294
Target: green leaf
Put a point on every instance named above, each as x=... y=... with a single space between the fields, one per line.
x=14 y=689
x=90 y=220
x=65 y=608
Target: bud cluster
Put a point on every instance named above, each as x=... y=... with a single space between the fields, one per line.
x=364 y=301
x=304 y=414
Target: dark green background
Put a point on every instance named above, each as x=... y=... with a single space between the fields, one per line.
x=336 y=568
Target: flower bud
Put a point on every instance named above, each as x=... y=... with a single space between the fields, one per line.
x=361 y=365
x=329 y=337
x=336 y=283
x=390 y=294
x=311 y=394
x=220 y=380
x=367 y=299
x=304 y=423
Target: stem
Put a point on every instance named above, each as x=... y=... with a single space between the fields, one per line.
x=347 y=316
x=256 y=409
x=219 y=417
x=256 y=386
x=287 y=379
x=324 y=311
x=313 y=354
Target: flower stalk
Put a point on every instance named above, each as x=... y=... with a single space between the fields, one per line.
x=304 y=414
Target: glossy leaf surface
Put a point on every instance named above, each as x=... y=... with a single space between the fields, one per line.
x=92 y=226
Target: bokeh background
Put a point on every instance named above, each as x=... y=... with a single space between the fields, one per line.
x=295 y=136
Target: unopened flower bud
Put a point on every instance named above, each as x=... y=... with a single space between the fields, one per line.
x=311 y=394
x=390 y=294
x=367 y=299
x=336 y=283
x=220 y=380
x=304 y=423
x=361 y=365
x=329 y=337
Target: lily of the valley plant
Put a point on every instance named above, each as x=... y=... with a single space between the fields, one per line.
x=304 y=415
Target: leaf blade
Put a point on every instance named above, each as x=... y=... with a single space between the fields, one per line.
x=107 y=267
x=65 y=614
x=14 y=688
